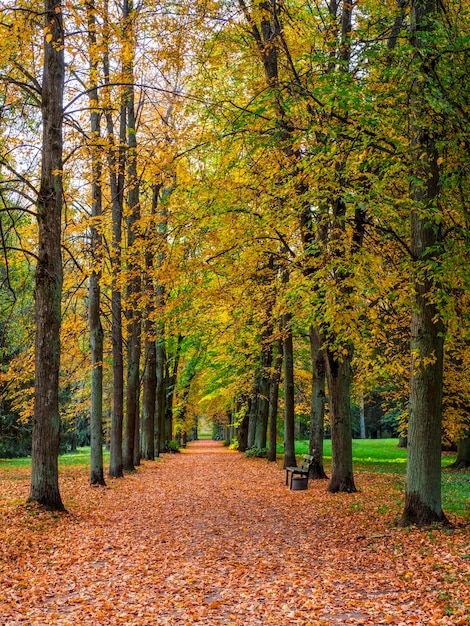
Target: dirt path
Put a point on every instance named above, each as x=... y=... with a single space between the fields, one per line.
x=210 y=537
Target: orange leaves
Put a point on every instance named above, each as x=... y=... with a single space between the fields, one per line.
x=211 y=537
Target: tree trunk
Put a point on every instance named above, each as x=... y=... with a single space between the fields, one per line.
x=116 y=168
x=289 y=399
x=362 y=416
x=242 y=433
x=253 y=414
x=149 y=390
x=160 y=397
x=262 y=414
x=149 y=396
x=339 y=382
x=317 y=406
x=48 y=279
x=171 y=378
x=274 y=400
x=131 y=434
x=94 y=315
x=423 y=475
x=463 y=454
x=96 y=416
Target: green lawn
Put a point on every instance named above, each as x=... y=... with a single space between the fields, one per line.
x=383 y=456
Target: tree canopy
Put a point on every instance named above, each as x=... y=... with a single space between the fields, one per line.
x=237 y=182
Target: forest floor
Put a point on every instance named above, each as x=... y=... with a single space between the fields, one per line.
x=210 y=537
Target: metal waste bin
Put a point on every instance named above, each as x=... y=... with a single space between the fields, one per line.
x=299 y=483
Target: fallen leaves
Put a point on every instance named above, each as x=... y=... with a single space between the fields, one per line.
x=210 y=537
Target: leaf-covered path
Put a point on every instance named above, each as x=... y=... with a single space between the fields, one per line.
x=209 y=537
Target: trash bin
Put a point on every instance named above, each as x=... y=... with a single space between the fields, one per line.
x=299 y=483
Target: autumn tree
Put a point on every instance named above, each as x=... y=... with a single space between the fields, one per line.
x=48 y=281
x=94 y=314
x=423 y=487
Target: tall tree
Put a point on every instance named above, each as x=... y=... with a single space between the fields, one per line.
x=131 y=454
x=116 y=171
x=423 y=476
x=48 y=281
x=96 y=240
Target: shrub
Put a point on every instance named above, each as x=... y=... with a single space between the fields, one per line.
x=261 y=453
x=172 y=446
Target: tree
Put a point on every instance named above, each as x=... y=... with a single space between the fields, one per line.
x=131 y=454
x=423 y=477
x=94 y=312
x=116 y=167
x=48 y=280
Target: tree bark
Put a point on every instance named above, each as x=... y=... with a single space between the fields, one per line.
x=262 y=414
x=274 y=401
x=94 y=315
x=463 y=454
x=423 y=476
x=160 y=395
x=317 y=406
x=242 y=428
x=339 y=382
x=48 y=279
x=131 y=434
x=116 y=168
x=289 y=399
x=149 y=382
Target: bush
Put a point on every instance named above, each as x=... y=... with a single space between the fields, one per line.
x=172 y=446
x=261 y=453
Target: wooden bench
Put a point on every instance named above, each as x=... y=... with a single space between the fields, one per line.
x=302 y=471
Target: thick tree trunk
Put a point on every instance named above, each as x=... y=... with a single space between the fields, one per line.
x=289 y=399
x=317 y=406
x=48 y=279
x=423 y=475
x=274 y=401
x=94 y=314
x=339 y=383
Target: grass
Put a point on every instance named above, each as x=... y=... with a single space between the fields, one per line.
x=383 y=456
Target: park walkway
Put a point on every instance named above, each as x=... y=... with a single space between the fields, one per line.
x=210 y=537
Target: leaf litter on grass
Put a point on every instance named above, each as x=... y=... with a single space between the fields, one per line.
x=210 y=537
